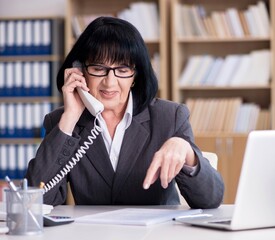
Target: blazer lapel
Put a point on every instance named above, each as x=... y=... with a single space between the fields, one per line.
x=97 y=153
x=130 y=150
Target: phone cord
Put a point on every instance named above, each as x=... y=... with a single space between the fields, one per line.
x=75 y=159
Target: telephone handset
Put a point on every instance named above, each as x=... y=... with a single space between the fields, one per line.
x=91 y=103
x=95 y=107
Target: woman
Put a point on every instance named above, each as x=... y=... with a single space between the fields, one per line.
x=141 y=146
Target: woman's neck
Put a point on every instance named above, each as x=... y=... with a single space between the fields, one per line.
x=112 y=119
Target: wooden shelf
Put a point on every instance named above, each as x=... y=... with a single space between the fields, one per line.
x=215 y=39
x=184 y=47
x=47 y=58
x=54 y=99
x=20 y=140
x=26 y=106
x=228 y=146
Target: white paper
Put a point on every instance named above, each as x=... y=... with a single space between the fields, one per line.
x=136 y=216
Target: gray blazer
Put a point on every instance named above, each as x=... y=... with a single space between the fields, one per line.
x=93 y=180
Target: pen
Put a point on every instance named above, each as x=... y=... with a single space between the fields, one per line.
x=25 y=184
x=41 y=185
x=14 y=189
x=193 y=216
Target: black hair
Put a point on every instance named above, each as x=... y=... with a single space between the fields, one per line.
x=113 y=40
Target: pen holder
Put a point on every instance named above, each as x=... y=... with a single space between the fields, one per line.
x=24 y=211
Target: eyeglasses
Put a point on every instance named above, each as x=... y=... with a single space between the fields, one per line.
x=98 y=70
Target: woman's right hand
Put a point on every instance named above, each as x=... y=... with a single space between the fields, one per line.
x=73 y=105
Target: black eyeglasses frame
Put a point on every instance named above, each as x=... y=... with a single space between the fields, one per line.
x=108 y=69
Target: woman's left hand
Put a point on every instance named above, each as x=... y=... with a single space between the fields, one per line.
x=168 y=161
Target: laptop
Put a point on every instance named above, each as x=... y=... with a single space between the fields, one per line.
x=255 y=199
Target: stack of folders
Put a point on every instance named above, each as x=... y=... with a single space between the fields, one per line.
x=31 y=78
x=19 y=120
x=14 y=159
x=26 y=37
x=29 y=37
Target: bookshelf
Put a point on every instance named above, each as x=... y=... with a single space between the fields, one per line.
x=197 y=38
x=31 y=50
x=157 y=46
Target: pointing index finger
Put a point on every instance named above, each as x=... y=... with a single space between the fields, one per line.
x=152 y=174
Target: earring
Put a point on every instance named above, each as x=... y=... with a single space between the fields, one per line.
x=133 y=84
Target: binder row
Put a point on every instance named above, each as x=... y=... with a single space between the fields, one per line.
x=23 y=120
x=22 y=78
x=26 y=37
x=14 y=159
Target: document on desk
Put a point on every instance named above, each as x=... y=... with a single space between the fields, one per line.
x=136 y=216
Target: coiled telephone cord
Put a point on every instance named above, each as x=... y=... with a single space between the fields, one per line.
x=75 y=159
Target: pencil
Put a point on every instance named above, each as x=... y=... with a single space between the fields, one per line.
x=41 y=185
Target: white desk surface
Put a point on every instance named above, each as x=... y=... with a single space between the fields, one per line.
x=166 y=231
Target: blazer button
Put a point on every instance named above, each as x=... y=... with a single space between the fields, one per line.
x=61 y=161
x=70 y=142
x=66 y=152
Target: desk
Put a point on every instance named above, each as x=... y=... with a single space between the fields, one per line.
x=166 y=231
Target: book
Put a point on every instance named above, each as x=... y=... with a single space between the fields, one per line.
x=212 y=109
x=244 y=24
x=217 y=22
x=182 y=19
x=2 y=37
x=190 y=70
x=263 y=12
x=216 y=67
x=209 y=26
x=197 y=14
x=260 y=68
x=21 y=161
x=4 y=161
x=262 y=28
x=235 y=21
x=136 y=216
x=225 y=24
x=241 y=73
x=200 y=74
x=250 y=23
x=196 y=114
x=19 y=120
x=233 y=108
x=190 y=102
x=227 y=70
x=221 y=114
x=203 y=113
x=264 y=120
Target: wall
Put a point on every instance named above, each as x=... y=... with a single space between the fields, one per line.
x=25 y=8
